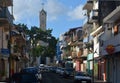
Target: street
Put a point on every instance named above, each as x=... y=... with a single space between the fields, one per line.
x=40 y=39
x=49 y=77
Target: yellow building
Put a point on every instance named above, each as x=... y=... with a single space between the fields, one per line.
x=6 y=22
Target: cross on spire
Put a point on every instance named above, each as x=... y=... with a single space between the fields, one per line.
x=42 y=5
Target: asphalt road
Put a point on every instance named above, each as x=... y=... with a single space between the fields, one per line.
x=49 y=77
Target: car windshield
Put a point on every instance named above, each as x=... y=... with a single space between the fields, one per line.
x=29 y=70
x=81 y=74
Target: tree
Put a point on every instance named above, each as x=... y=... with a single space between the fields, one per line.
x=34 y=35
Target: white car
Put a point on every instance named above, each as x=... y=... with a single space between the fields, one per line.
x=62 y=70
x=80 y=77
x=58 y=70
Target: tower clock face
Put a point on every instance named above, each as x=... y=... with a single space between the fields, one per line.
x=42 y=13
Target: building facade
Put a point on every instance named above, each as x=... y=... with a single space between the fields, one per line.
x=104 y=31
x=6 y=22
x=110 y=48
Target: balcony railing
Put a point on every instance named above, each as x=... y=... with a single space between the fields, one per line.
x=5 y=3
x=5 y=16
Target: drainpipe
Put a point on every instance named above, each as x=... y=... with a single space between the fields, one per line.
x=2 y=37
x=93 y=69
x=10 y=42
x=9 y=52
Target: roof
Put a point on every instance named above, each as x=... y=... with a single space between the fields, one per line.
x=43 y=11
x=73 y=29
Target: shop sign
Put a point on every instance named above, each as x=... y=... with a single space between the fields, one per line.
x=5 y=51
x=110 y=49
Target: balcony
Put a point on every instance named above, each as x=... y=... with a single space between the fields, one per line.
x=85 y=52
x=96 y=31
x=74 y=54
x=95 y=15
x=87 y=27
x=5 y=3
x=115 y=41
x=88 y=5
x=75 y=38
x=113 y=16
x=5 y=16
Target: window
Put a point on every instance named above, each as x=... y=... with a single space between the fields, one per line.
x=7 y=37
x=116 y=29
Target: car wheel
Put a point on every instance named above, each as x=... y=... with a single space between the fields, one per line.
x=74 y=81
x=12 y=82
x=40 y=81
x=88 y=81
x=80 y=82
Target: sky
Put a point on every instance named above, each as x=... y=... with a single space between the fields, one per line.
x=61 y=14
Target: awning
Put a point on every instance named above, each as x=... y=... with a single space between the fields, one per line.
x=113 y=16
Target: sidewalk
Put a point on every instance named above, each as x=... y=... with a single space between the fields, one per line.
x=100 y=81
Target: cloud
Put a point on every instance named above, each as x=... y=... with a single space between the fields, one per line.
x=76 y=13
x=54 y=9
x=26 y=9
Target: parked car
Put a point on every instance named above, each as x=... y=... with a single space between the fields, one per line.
x=58 y=69
x=24 y=78
x=53 y=69
x=33 y=70
x=79 y=77
x=68 y=72
x=62 y=71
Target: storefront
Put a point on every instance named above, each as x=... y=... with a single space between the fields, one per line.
x=113 y=68
x=90 y=64
x=102 y=69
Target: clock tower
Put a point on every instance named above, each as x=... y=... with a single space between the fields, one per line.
x=43 y=16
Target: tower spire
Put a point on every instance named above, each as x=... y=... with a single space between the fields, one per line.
x=43 y=17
